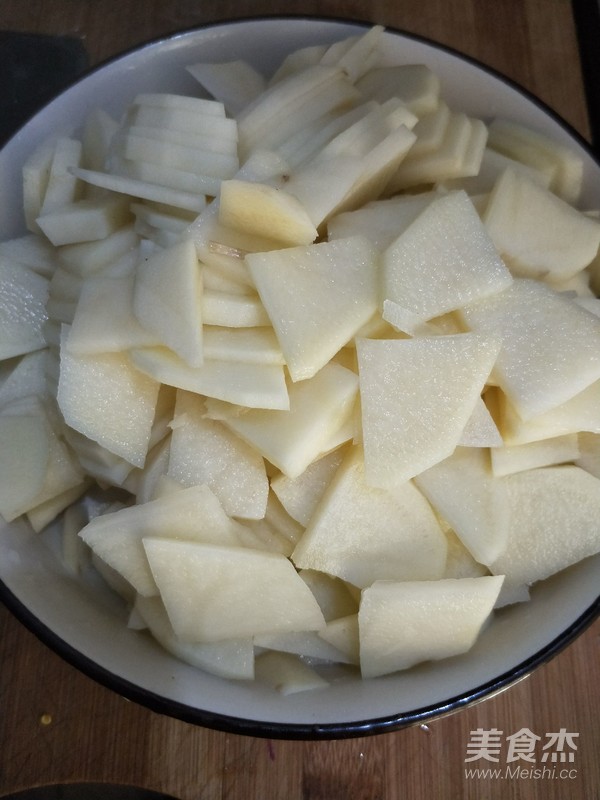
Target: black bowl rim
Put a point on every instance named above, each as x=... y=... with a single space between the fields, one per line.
x=304 y=731
x=88 y=789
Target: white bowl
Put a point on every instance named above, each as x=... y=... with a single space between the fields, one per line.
x=87 y=626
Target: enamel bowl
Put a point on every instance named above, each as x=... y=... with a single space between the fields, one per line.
x=87 y=625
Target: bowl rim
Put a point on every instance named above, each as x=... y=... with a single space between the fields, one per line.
x=321 y=19
x=292 y=731
x=284 y=730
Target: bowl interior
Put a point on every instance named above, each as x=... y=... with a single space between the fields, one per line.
x=86 y=623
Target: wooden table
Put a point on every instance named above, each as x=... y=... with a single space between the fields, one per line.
x=57 y=725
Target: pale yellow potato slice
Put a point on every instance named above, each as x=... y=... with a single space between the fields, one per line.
x=257 y=345
x=448 y=250
x=459 y=562
x=417 y=395
x=538 y=233
x=533 y=148
x=205 y=141
x=356 y=55
x=46 y=511
x=170 y=178
x=180 y=156
x=190 y=514
x=417 y=86
x=216 y=278
x=307 y=644
x=430 y=130
x=380 y=221
x=31 y=250
x=405 y=321
x=263 y=536
x=75 y=554
x=183 y=119
x=205 y=451
x=145 y=483
x=62 y=187
x=167 y=300
x=104 y=397
x=157 y=225
x=57 y=466
x=317 y=298
x=550 y=345
x=580 y=414
x=558 y=450
x=320 y=185
x=307 y=142
x=342 y=178
x=287 y=673
x=170 y=100
x=281 y=522
x=298 y=60
x=36 y=172
x=361 y=534
x=589 y=453
x=213 y=239
x=257 y=386
x=553 y=522
x=24 y=457
x=333 y=595
x=233 y=310
x=264 y=210
x=492 y=166
x=378 y=166
x=292 y=439
x=276 y=530
x=405 y=623
x=212 y=592
x=464 y=491
x=84 y=220
x=98 y=132
x=335 y=97
x=233 y=83
x=480 y=430
x=104 y=321
x=141 y=188
x=288 y=104
x=106 y=467
x=23 y=298
x=458 y=155
x=301 y=495
x=64 y=473
x=88 y=257
x=343 y=634
x=233 y=659
x=26 y=377
x=359 y=138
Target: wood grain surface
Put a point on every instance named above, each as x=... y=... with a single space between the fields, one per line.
x=57 y=725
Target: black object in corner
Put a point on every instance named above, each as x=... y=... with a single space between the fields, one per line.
x=34 y=68
x=586 y=14
x=87 y=791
